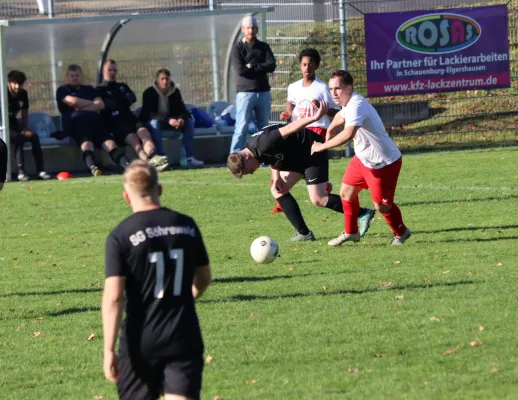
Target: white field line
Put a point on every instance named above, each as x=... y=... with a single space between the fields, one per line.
x=117 y=180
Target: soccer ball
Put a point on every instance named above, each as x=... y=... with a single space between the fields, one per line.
x=264 y=250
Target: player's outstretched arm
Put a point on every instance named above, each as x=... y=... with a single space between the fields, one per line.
x=337 y=121
x=202 y=280
x=112 y=304
x=303 y=122
x=343 y=137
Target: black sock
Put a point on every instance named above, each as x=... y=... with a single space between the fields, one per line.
x=334 y=202
x=118 y=157
x=292 y=212
x=363 y=211
x=88 y=158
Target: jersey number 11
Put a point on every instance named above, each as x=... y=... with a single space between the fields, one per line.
x=157 y=258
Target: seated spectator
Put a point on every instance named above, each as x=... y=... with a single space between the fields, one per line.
x=18 y=101
x=3 y=163
x=79 y=106
x=120 y=121
x=163 y=108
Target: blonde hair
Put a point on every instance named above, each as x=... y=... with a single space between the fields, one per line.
x=142 y=178
x=235 y=163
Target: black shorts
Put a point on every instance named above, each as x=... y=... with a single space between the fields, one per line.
x=121 y=127
x=89 y=130
x=148 y=380
x=315 y=168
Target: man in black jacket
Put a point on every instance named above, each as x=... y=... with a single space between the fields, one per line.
x=163 y=108
x=79 y=106
x=252 y=60
x=120 y=121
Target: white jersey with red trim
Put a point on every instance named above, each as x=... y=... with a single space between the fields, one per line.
x=372 y=144
x=301 y=97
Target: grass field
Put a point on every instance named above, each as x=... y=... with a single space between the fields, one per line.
x=433 y=319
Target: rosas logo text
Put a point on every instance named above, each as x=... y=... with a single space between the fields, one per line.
x=438 y=33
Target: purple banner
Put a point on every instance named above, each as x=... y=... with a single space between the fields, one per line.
x=437 y=51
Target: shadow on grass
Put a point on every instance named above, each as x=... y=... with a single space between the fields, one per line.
x=239 y=298
x=52 y=292
x=445 y=230
x=427 y=202
x=468 y=240
x=74 y=310
x=241 y=279
x=409 y=286
x=469 y=228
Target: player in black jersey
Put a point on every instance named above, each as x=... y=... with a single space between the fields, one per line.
x=120 y=121
x=287 y=149
x=157 y=263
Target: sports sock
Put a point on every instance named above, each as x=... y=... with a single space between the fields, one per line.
x=395 y=220
x=334 y=202
x=292 y=211
x=88 y=158
x=277 y=201
x=117 y=155
x=351 y=210
x=363 y=211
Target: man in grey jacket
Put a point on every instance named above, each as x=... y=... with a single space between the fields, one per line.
x=252 y=60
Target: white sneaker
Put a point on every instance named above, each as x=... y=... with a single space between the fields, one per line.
x=399 y=240
x=193 y=162
x=159 y=162
x=23 y=177
x=43 y=175
x=344 y=237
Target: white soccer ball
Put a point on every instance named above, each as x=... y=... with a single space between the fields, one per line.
x=264 y=250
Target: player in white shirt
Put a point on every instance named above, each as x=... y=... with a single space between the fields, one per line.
x=376 y=163
x=302 y=95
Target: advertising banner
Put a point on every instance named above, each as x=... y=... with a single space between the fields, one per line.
x=437 y=51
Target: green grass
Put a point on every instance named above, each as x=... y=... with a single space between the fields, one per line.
x=318 y=323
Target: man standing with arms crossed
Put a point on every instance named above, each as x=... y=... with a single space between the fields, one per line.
x=156 y=262
x=375 y=166
x=252 y=60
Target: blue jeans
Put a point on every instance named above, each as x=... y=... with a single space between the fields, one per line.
x=155 y=128
x=246 y=104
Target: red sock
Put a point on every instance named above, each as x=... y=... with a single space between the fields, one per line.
x=395 y=220
x=278 y=204
x=351 y=212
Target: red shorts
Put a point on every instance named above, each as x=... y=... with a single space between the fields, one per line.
x=381 y=182
x=318 y=130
